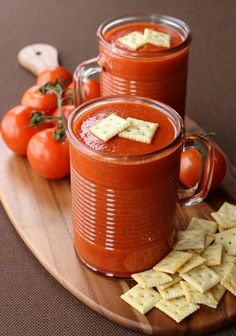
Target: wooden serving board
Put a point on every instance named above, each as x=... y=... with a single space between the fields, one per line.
x=40 y=211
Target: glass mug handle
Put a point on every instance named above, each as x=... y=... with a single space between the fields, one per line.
x=202 y=187
x=82 y=72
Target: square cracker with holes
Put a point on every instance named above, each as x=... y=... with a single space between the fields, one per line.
x=173 y=261
x=142 y=299
x=139 y=130
x=226 y=216
x=194 y=296
x=227 y=262
x=202 y=224
x=229 y=281
x=177 y=309
x=190 y=240
x=213 y=254
x=208 y=240
x=201 y=278
x=157 y=38
x=175 y=278
x=195 y=261
x=218 y=291
x=132 y=41
x=151 y=278
x=109 y=127
x=171 y=292
x=228 y=239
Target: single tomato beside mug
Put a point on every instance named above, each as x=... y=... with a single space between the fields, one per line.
x=190 y=167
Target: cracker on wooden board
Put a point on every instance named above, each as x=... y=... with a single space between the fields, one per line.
x=132 y=41
x=142 y=299
x=229 y=281
x=156 y=38
x=173 y=261
x=218 y=291
x=213 y=254
x=177 y=308
x=228 y=239
x=190 y=239
x=208 y=240
x=108 y=127
x=226 y=216
x=151 y=278
x=139 y=130
x=203 y=224
x=195 y=261
x=227 y=262
x=194 y=296
x=175 y=278
x=171 y=292
x=201 y=278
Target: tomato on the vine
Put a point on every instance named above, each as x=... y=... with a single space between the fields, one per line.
x=16 y=128
x=46 y=102
x=190 y=167
x=53 y=74
x=66 y=111
x=48 y=156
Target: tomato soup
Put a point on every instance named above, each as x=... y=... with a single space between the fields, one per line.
x=150 y=71
x=124 y=192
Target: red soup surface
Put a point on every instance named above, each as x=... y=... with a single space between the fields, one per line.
x=152 y=72
x=124 y=194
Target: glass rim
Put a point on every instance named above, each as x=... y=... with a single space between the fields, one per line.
x=128 y=53
x=175 y=117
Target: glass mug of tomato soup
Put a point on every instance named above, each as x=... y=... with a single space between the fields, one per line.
x=151 y=71
x=125 y=192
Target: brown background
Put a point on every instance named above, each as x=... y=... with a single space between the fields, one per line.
x=31 y=302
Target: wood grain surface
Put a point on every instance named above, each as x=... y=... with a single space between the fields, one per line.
x=40 y=211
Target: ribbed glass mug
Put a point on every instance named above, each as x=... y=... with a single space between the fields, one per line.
x=124 y=206
x=160 y=75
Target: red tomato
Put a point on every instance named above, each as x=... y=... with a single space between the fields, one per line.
x=190 y=167
x=54 y=74
x=92 y=89
x=41 y=102
x=16 y=129
x=47 y=156
x=66 y=111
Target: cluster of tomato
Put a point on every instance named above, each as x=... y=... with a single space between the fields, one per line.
x=36 y=127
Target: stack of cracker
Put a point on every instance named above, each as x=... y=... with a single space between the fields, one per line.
x=200 y=268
